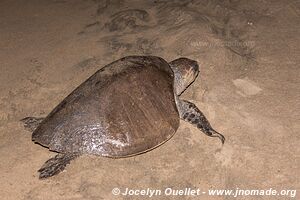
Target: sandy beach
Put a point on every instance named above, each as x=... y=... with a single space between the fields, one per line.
x=248 y=88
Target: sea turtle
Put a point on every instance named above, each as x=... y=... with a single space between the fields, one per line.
x=126 y=108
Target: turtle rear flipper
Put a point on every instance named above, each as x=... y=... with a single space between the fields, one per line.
x=56 y=164
x=31 y=123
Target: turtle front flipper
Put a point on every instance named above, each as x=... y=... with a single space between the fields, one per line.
x=56 y=164
x=31 y=123
x=190 y=113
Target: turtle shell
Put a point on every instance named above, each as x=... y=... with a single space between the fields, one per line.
x=126 y=108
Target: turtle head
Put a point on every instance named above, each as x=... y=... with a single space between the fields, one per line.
x=185 y=72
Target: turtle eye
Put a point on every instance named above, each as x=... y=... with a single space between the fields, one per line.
x=195 y=66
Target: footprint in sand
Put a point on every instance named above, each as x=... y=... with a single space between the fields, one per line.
x=246 y=87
